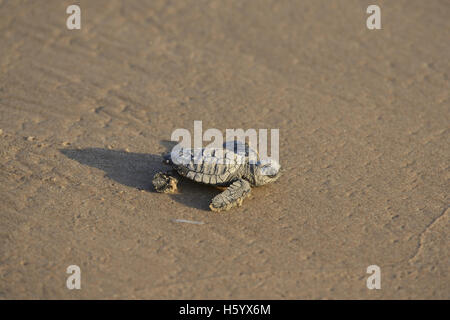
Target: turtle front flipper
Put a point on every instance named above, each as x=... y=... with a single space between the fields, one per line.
x=165 y=182
x=232 y=196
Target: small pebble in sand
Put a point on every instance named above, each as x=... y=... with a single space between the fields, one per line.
x=31 y=138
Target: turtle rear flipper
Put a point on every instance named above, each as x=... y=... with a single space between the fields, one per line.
x=165 y=182
x=232 y=196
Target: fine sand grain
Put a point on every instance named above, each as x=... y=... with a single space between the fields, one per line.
x=364 y=141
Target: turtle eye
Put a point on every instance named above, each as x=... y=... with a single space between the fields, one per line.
x=269 y=170
x=269 y=167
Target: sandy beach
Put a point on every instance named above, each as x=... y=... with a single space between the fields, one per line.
x=363 y=117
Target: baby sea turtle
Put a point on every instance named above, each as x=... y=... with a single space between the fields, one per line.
x=235 y=166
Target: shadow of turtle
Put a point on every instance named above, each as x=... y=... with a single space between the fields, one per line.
x=194 y=195
x=136 y=170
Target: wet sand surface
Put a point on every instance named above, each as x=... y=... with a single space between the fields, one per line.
x=364 y=142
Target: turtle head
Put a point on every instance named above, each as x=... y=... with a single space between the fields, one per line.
x=266 y=171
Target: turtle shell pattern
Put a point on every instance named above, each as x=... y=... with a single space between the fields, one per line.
x=215 y=166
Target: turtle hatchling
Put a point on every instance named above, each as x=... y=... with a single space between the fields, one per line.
x=235 y=166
